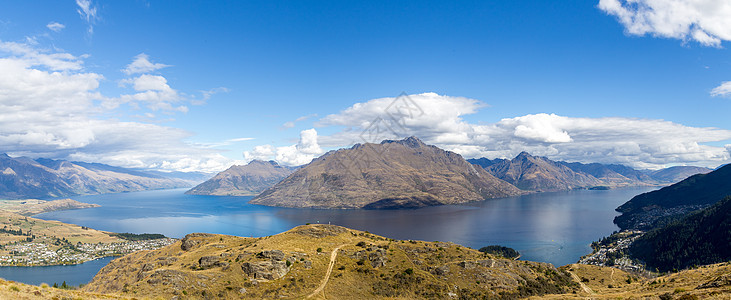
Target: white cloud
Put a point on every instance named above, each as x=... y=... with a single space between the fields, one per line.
x=705 y=21
x=142 y=64
x=55 y=26
x=50 y=107
x=722 y=90
x=261 y=152
x=433 y=117
x=154 y=92
x=306 y=149
x=87 y=11
x=540 y=128
x=243 y=139
x=226 y=142
x=33 y=57
x=635 y=142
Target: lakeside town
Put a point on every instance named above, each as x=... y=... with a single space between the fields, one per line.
x=611 y=251
x=40 y=254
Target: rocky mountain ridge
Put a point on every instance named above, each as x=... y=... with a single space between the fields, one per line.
x=393 y=174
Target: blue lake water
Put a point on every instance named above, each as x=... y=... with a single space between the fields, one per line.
x=550 y=227
x=73 y=274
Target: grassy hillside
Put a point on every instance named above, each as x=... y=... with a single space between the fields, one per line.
x=332 y=262
x=324 y=261
x=707 y=282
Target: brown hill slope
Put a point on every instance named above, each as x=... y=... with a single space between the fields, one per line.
x=248 y=180
x=392 y=174
x=327 y=261
x=349 y=264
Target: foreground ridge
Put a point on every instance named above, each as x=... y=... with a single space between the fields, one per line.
x=324 y=260
x=328 y=261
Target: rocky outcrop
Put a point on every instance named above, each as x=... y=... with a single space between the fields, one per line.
x=270 y=270
x=207 y=262
x=191 y=240
x=393 y=174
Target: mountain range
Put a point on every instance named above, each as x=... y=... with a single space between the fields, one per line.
x=533 y=173
x=22 y=178
x=540 y=174
x=393 y=174
x=408 y=173
x=247 y=180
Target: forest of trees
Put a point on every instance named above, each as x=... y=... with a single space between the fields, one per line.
x=500 y=251
x=139 y=236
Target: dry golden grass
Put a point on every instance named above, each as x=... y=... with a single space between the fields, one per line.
x=408 y=273
x=16 y=290
x=682 y=285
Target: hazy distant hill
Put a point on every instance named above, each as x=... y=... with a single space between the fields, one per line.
x=248 y=180
x=392 y=174
x=696 y=192
x=533 y=173
x=23 y=177
x=613 y=174
x=700 y=238
x=191 y=177
x=676 y=174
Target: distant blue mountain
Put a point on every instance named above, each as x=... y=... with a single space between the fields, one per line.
x=536 y=173
x=43 y=178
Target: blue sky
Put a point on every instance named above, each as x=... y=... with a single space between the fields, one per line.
x=201 y=85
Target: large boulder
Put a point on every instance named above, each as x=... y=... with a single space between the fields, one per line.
x=265 y=269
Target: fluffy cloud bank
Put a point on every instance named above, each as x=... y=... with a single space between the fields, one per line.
x=49 y=107
x=298 y=154
x=708 y=22
x=636 y=142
